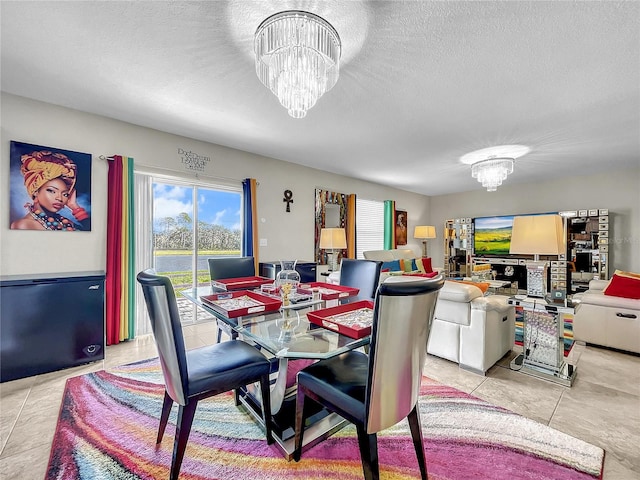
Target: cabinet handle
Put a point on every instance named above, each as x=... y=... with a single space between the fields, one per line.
x=626 y=315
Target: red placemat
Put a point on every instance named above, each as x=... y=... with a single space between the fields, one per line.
x=239 y=283
x=353 y=319
x=329 y=291
x=241 y=303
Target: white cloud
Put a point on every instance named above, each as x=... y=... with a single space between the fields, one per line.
x=170 y=191
x=169 y=207
x=218 y=216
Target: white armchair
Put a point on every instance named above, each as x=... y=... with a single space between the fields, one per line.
x=470 y=329
x=606 y=320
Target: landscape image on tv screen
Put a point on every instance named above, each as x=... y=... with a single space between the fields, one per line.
x=492 y=235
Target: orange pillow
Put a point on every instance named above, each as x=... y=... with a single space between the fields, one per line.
x=624 y=284
x=426 y=263
x=483 y=286
x=622 y=273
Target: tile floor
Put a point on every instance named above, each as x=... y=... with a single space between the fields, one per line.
x=602 y=407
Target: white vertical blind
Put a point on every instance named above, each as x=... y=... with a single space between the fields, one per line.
x=144 y=244
x=369 y=226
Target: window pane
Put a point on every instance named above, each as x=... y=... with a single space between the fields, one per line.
x=369 y=226
x=192 y=223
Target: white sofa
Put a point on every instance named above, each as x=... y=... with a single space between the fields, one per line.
x=605 y=320
x=470 y=329
x=384 y=256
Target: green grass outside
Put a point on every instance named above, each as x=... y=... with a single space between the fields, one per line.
x=183 y=278
x=180 y=279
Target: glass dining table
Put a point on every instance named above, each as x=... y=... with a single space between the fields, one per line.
x=289 y=345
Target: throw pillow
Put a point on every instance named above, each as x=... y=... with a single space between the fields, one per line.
x=627 y=274
x=427 y=275
x=426 y=263
x=392 y=265
x=408 y=266
x=419 y=265
x=624 y=284
x=483 y=286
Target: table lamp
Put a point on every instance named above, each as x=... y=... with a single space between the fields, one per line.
x=537 y=235
x=332 y=239
x=424 y=232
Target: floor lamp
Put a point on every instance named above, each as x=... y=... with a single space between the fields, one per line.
x=424 y=232
x=537 y=235
x=540 y=235
x=332 y=239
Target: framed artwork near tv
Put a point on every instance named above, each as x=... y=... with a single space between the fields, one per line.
x=50 y=188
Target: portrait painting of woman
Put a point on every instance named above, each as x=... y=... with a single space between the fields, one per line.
x=401 y=227
x=50 y=189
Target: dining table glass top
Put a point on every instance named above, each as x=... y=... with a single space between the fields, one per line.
x=293 y=338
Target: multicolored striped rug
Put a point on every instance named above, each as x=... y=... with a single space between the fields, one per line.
x=109 y=419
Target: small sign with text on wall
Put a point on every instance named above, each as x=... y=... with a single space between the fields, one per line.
x=193 y=161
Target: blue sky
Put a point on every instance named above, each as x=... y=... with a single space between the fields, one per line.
x=215 y=206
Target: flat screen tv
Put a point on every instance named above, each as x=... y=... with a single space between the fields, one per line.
x=492 y=235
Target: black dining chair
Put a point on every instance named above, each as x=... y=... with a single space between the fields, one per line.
x=378 y=390
x=361 y=274
x=192 y=375
x=231 y=267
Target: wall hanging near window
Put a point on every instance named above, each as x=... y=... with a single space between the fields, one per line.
x=50 y=188
x=401 y=227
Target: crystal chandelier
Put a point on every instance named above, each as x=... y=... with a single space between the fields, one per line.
x=297 y=58
x=491 y=172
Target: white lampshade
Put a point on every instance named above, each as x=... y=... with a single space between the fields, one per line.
x=537 y=235
x=333 y=238
x=424 y=231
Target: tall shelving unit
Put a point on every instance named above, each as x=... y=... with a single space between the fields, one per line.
x=458 y=236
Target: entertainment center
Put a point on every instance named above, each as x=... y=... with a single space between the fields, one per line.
x=472 y=244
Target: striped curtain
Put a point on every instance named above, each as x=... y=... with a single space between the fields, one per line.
x=389 y=224
x=250 y=218
x=120 y=278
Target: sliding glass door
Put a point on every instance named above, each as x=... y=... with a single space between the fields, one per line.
x=192 y=223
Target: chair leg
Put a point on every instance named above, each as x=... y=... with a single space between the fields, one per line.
x=368 y=443
x=300 y=398
x=183 y=429
x=418 y=440
x=266 y=407
x=164 y=416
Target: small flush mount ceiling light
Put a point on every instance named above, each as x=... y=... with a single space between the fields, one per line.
x=297 y=58
x=492 y=165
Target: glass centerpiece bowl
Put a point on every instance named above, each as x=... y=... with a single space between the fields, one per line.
x=287 y=281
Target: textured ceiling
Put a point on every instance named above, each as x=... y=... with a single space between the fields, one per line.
x=421 y=83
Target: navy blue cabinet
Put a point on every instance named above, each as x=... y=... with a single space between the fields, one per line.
x=51 y=322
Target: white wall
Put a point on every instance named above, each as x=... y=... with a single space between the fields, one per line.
x=289 y=235
x=619 y=191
